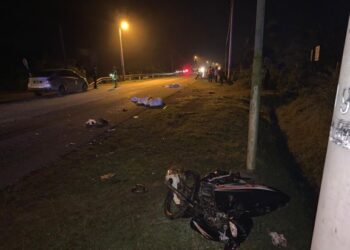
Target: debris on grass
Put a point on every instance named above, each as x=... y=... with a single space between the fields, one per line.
x=90 y=122
x=156 y=102
x=139 y=188
x=99 y=124
x=148 y=101
x=278 y=240
x=102 y=122
x=107 y=176
x=165 y=107
x=172 y=86
x=134 y=99
x=136 y=116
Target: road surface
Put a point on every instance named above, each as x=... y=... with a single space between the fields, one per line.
x=38 y=132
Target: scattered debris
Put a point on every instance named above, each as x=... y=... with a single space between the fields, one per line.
x=278 y=240
x=71 y=144
x=90 y=122
x=165 y=107
x=134 y=99
x=148 y=101
x=136 y=116
x=107 y=176
x=102 y=123
x=110 y=130
x=172 y=86
x=139 y=188
x=99 y=124
x=124 y=110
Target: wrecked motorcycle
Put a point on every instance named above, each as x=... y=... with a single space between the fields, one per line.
x=221 y=204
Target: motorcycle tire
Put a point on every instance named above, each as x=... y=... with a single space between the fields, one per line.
x=174 y=211
x=171 y=210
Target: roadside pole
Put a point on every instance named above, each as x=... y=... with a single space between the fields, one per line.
x=230 y=42
x=332 y=226
x=62 y=45
x=256 y=86
x=121 y=54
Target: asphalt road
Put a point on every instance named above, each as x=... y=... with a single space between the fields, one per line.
x=36 y=133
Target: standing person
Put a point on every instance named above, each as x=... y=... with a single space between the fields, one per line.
x=210 y=74
x=115 y=76
x=221 y=76
x=216 y=74
x=198 y=74
x=94 y=75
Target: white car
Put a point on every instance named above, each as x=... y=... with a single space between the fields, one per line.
x=62 y=81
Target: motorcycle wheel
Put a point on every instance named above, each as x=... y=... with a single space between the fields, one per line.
x=188 y=187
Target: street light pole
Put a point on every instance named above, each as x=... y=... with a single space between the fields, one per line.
x=121 y=53
x=230 y=43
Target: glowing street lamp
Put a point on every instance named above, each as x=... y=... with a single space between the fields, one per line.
x=124 y=25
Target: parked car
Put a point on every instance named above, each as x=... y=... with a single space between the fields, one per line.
x=62 y=81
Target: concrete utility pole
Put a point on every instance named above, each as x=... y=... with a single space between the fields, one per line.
x=256 y=85
x=230 y=42
x=332 y=226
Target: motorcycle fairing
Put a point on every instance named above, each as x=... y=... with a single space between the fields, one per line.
x=248 y=199
x=245 y=186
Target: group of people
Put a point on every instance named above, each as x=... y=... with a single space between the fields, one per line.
x=216 y=74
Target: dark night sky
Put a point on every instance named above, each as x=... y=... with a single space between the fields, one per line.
x=161 y=32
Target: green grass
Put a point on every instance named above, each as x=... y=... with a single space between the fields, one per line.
x=306 y=123
x=67 y=206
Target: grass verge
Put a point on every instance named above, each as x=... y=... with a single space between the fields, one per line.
x=204 y=127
